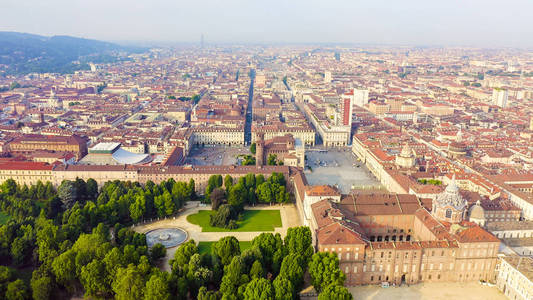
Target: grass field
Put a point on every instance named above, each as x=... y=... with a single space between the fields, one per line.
x=3 y=218
x=205 y=247
x=253 y=220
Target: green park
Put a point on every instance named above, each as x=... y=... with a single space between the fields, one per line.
x=205 y=247
x=252 y=220
x=78 y=240
x=3 y=218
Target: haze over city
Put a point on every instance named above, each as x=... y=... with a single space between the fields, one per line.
x=478 y=23
x=266 y=150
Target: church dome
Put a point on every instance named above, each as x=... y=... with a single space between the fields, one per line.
x=476 y=212
x=451 y=197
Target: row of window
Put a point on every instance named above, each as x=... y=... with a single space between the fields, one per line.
x=384 y=254
x=421 y=277
x=21 y=172
x=392 y=238
x=495 y=215
x=431 y=267
x=516 y=280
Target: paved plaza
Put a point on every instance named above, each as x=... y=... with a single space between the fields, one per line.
x=338 y=167
x=429 y=291
x=217 y=156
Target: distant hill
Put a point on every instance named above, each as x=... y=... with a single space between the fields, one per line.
x=24 y=53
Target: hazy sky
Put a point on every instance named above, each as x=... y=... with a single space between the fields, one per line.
x=486 y=23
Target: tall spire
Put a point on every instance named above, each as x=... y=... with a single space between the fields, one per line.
x=452 y=187
x=406 y=151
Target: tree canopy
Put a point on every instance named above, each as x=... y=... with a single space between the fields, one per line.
x=82 y=243
x=335 y=292
x=324 y=270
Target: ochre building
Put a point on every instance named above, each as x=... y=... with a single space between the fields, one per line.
x=33 y=142
x=395 y=238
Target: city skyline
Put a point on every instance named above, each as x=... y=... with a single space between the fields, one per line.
x=314 y=150
x=485 y=24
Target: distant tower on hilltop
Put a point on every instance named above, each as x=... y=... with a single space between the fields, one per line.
x=202 y=41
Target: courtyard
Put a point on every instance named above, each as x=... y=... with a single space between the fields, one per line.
x=429 y=291
x=338 y=167
x=215 y=155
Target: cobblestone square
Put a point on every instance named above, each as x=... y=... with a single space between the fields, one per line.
x=339 y=168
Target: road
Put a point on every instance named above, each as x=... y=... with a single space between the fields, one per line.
x=301 y=107
x=248 y=124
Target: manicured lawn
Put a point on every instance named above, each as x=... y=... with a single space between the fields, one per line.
x=205 y=247
x=253 y=220
x=3 y=218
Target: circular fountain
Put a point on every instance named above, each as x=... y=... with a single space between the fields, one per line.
x=168 y=237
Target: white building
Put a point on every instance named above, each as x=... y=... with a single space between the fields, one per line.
x=53 y=101
x=315 y=194
x=360 y=97
x=327 y=77
x=515 y=276
x=218 y=135
x=332 y=135
x=500 y=97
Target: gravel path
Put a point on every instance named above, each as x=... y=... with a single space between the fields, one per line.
x=288 y=212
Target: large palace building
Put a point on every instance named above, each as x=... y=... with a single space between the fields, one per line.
x=396 y=238
x=33 y=142
x=24 y=172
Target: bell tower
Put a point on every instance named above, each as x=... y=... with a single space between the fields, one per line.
x=259 y=149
